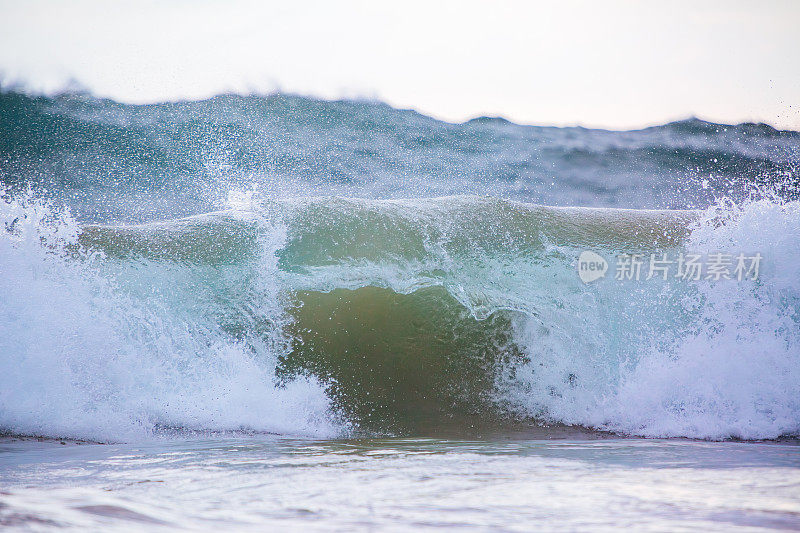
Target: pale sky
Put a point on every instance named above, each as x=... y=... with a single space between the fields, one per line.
x=616 y=64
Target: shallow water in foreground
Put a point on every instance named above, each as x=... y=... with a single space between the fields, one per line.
x=269 y=482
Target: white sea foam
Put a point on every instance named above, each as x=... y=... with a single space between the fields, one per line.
x=81 y=357
x=714 y=360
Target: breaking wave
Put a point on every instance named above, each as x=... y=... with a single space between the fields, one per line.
x=327 y=315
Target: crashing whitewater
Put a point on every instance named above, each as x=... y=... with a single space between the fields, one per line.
x=329 y=316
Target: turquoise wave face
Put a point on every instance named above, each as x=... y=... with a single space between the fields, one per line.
x=405 y=310
x=330 y=316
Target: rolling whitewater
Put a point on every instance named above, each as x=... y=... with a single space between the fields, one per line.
x=257 y=280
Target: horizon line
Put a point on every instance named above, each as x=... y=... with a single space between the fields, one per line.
x=74 y=88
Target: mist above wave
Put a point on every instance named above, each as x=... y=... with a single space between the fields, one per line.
x=121 y=162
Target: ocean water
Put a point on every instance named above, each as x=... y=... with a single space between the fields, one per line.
x=262 y=483
x=276 y=310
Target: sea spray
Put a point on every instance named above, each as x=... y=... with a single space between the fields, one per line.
x=718 y=359
x=85 y=356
